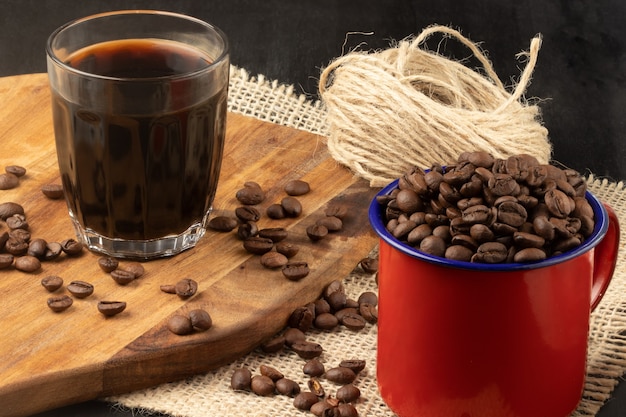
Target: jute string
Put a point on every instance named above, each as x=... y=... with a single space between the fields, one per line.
x=406 y=106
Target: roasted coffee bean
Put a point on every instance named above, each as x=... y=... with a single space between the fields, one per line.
x=20 y=234
x=258 y=245
x=353 y=321
x=529 y=255
x=345 y=311
x=17 y=221
x=273 y=345
x=72 y=247
x=316 y=232
x=8 y=181
x=369 y=265
x=273 y=260
x=368 y=297
x=200 y=319
x=315 y=386
x=262 y=385
x=9 y=209
x=186 y=288
x=180 y=325
x=6 y=260
x=168 y=288
x=306 y=349
x=352 y=303
x=291 y=206
x=17 y=170
x=270 y=372
x=491 y=252
x=60 y=303
x=459 y=253
x=288 y=249
x=321 y=306
x=80 y=289
x=222 y=223
x=241 y=379
x=369 y=312
x=297 y=187
x=336 y=210
x=27 y=263
x=247 y=214
x=559 y=204
x=135 y=268
x=275 y=211
x=305 y=400
x=326 y=321
x=340 y=375
x=331 y=223
x=251 y=194
x=313 y=368
x=294 y=334
x=122 y=277
x=334 y=286
x=295 y=271
x=419 y=233
x=53 y=250
x=347 y=410
x=247 y=230
x=52 y=191
x=287 y=387
x=323 y=409
x=52 y=282
x=37 y=248
x=348 y=393
x=275 y=234
x=301 y=318
x=111 y=308
x=357 y=365
x=16 y=247
x=337 y=300
x=4 y=237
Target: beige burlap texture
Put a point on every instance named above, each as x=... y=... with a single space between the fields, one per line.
x=210 y=394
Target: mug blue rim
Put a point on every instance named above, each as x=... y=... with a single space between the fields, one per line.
x=376 y=216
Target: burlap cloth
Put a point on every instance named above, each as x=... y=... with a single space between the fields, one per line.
x=210 y=394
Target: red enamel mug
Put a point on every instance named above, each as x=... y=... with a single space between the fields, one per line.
x=460 y=339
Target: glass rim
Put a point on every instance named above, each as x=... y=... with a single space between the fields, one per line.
x=216 y=62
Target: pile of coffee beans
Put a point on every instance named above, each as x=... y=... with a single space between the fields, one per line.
x=14 y=173
x=490 y=210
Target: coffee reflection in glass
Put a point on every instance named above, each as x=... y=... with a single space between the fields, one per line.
x=139 y=106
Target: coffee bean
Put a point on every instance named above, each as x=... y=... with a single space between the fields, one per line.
x=262 y=385
x=459 y=253
x=258 y=245
x=17 y=170
x=529 y=255
x=369 y=312
x=60 y=303
x=326 y=321
x=168 y=288
x=247 y=214
x=491 y=252
x=251 y=194
x=368 y=297
x=9 y=209
x=321 y=306
x=315 y=386
x=347 y=410
x=294 y=334
x=316 y=232
x=27 y=263
x=301 y=318
x=273 y=260
x=247 y=230
x=345 y=311
x=135 y=268
x=20 y=234
x=37 y=248
x=340 y=375
x=52 y=191
x=52 y=282
x=241 y=379
x=369 y=265
x=16 y=247
x=305 y=400
x=17 y=221
x=287 y=387
x=275 y=211
x=295 y=271
x=288 y=249
x=80 y=289
x=222 y=223
x=186 y=288
x=313 y=368
x=275 y=234
x=8 y=181
x=180 y=325
x=6 y=260
x=291 y=206
x=337 y=300
x=270 y=372
x=433 y=245
x=200 y=319
x=353 y=321
x=348 y=393
x=122 y=277
x=331 y=223
x=323 y=409
x=273 y=345
x=111 y=308
x=297 y=187
x=357 y=365
x=71 y=247
x=53 y=250
x=306 y=349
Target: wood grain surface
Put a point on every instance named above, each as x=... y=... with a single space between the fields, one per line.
x=52 y=359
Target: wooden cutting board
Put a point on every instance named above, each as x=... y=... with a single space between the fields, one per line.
x=52 y=359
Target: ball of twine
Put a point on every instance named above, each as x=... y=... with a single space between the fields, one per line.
x=405 y=106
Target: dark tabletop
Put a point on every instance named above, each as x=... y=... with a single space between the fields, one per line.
x=581 y=67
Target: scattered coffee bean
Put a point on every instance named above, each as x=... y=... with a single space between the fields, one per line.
x=306 y=349
x=108 y=264
x=294 y=334
x=368 y=297
x=241 y=379
x=302 y=319
x=60 y=303
x=305 y=400
x=313 y=368
x=222 y=223
x=80 y=289
x=295 y=271
x=315 y=386
x=17 y=221
x=111 y=308
x=9 y=209
x=357 y=365
x=247 y=214
x=6 y=260
x=16 y=247
x=72 y=247
x=275 y=211
x=288 y=249
x=316 y=232
x=322 y=409
x=369 y=312
x=168 y=288
x=276 y=234
x=247 y=230
x=20 y=234
x=52 y=282
x=348 y=393
x=262 y=385
x=37 y=248
x=326 y=321
x=27 y=263
x=291 y=206
x=186 y=288
x=297 y=187
x=347 y=410
x=180 y=325
x=52 y=191
x=135 y=268
x=122 y=277
x=200 y=319
x=340 y=375
x=337 y=300
x=273 y=260
x=53 y=250
x=17 y=170
x=287 y=387
x=270 y=372
x=8 y=181
x=331 y=223
x=353 y=321
x=258 y=245
x=251 y=194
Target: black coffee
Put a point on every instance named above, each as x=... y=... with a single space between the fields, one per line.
x=134 y=175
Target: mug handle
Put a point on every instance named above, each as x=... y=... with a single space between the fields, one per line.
x=605 y=258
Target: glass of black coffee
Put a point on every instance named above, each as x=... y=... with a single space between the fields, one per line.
x=139 y=106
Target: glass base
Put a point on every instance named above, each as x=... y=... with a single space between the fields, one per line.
x=141 y=249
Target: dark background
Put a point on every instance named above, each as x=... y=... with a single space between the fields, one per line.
x=580 y=71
